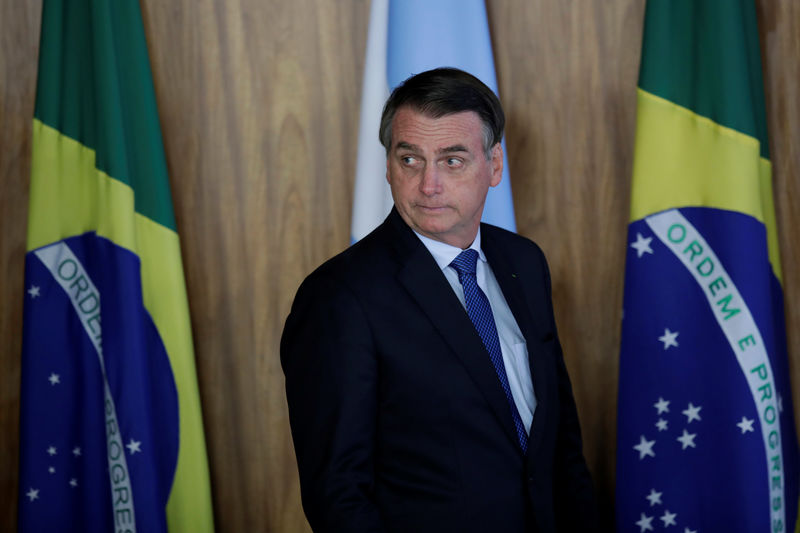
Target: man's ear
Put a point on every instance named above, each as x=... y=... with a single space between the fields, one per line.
x=497 y=164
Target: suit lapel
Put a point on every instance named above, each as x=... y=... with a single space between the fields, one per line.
x=421 y=277
x=511 y=282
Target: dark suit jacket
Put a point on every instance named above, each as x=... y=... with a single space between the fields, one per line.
x=398 y=419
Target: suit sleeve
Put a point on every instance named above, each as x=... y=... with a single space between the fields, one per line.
x=328 y=358
x=573 y=493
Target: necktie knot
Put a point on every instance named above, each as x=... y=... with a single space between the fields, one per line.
x=465 y=262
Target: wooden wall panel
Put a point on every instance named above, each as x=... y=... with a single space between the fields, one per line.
x=259 y=101
x=263 y=108
x=779 y=26
x=19 y=46
x=259 y=106
x=567 y=74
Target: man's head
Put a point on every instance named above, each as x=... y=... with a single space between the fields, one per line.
x=442 y=132
x=445 y=91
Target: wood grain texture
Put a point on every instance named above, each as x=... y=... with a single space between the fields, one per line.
x=259 y=102
x=567 y=79
x=259 y=105
x=19 y=48
x=779 y=26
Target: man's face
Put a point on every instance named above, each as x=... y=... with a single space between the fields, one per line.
x=439 y=173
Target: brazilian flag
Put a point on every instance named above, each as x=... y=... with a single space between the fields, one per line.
x=111 y=434
x=705 y=437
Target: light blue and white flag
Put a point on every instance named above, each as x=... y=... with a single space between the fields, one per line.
x=400 y=43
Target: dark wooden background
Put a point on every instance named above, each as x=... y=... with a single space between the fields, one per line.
x=259 y=103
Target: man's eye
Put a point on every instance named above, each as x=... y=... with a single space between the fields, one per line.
x=408 y=160
x=454 y=162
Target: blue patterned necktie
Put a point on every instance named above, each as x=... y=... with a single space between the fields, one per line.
x=480 y=312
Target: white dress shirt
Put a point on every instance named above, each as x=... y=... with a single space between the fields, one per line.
x=512 y=343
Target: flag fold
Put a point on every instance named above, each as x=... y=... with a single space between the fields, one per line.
x=111 y=434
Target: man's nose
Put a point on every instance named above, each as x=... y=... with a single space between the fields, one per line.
x=431 y=182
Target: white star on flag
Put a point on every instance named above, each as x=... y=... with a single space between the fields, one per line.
x=668 y=338
x=746 y=424
x=52 y=470
x=54 y=378
x=692 y=413
x=668 y=518
x=654 y=497
x=661 y=405
x=32 y=494
x=73 y=482
x=645 y=447
x=51 y=451
x=687 y=530
x=134 y=446
x=642 y=245
x=661 y=424
x=687 y=439
x=33 y=291
x=76 y=451
x=644 y=523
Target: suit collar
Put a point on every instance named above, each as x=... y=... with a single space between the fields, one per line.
x=423 y=279
x=444 y=253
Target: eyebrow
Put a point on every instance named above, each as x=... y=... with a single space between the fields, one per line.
x=446 y=150
x=451 y=149
x=406 y=146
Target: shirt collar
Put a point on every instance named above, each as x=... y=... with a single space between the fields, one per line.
x=444 y=253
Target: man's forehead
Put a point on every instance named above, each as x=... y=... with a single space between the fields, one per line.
x=453 y=131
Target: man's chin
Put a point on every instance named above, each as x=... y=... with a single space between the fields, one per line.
x=438 y=232
x=432 y=225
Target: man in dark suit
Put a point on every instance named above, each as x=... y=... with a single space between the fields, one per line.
x=426 y=386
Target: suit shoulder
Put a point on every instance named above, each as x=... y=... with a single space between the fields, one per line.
x=365 y=259
x=338 y=287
